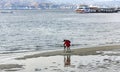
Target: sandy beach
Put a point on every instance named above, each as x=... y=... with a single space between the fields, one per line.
x=79 y=51
x=92 y=59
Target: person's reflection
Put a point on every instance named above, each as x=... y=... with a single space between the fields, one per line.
x=67 y=60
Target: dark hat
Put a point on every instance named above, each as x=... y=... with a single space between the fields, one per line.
x=64 y=40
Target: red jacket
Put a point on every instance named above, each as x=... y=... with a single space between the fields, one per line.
x=67 y=43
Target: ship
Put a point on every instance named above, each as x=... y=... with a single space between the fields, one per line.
x=95 y=9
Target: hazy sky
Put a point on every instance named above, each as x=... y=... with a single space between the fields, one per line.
x=79 y=1
x=58 y=1
x=61 y=0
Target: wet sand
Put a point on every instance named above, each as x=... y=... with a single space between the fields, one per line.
x=8 y=66
x=81 y=59
x=79 y=51
x=11 y=67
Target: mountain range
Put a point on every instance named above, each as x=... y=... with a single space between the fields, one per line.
x=36 y=3
x=59 y=1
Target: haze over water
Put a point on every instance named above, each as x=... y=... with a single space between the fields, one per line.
x=34 y=30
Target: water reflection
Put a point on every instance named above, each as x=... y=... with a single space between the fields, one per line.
x=67 y=60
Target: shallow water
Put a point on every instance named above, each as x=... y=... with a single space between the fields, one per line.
x=36 y=30
x=68 y=63
x=108 y=61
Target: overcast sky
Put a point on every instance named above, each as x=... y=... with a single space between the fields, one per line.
x=79 y=1
x=59 y=1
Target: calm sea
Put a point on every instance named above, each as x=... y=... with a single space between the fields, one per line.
x=36 y=30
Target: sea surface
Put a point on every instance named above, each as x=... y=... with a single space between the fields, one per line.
x=37 y=30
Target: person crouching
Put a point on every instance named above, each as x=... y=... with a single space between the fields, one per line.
x=67 y=46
